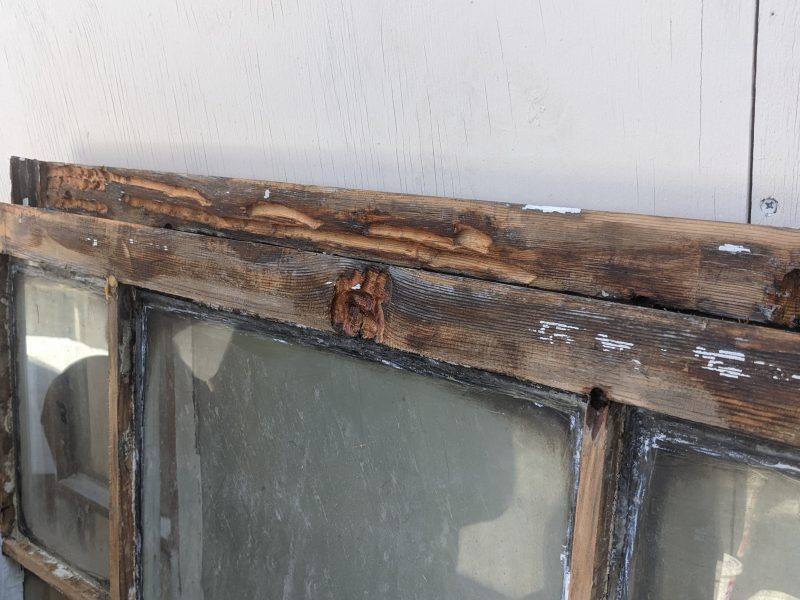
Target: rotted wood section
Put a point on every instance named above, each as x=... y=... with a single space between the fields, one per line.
x=123 y=464
x=730 y=270
x=53 y=571
x=741 y=377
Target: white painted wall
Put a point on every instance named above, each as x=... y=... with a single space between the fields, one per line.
x=625 y=106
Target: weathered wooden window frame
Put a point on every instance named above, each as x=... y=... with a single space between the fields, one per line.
x=687 y=319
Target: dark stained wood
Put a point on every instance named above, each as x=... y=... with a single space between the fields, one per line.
x=8 y=475
x=601 y=448
x=123 y=472
x=741 y=377
x=51 y=570
x=721 y=269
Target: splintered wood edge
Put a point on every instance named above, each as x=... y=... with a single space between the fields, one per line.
x=52 y=570
x=744 y=378
x=723 y=269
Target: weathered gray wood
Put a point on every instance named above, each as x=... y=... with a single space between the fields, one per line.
x=723 y=269
x=742 y=377
x=123 y=456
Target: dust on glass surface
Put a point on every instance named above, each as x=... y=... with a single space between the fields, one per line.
x=282 y=471
x=714 y=529
x=63 y=418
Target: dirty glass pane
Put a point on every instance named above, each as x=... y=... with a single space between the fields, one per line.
x=281 y=471
x=63 y=418
x=36 y=589
x=714 y=529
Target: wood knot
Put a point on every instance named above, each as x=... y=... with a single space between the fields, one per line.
x=357 y=307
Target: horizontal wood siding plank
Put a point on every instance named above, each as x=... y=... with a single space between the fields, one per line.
x=741 y=377
x=723 y=269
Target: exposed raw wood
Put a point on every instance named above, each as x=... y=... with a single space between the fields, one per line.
x=597 y=486
x=8 y=473
x=123 y=474
x=357 y=306
x=741 y=377
x=721 y=269
x=51 y=570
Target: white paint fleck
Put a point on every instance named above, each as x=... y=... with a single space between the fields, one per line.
x=796 y=377
x=328 y=283
x=130 y=240
x=604 y=294
x=266 y=194
x=608 y=344
x=62 y=572
x=716 y=362
x=26 y=201
x=356 y=287
x=550 y=331
x=280 y=341
x=759 y=362
x=553 y=209
x=734 y=249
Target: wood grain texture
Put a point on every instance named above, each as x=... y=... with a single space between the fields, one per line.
x=741 y=377
x=123 y=466
x=728 y=270
x=644 y=108
x=776 y=129
x=57 y=574
x=8 y=472
x=601 y=446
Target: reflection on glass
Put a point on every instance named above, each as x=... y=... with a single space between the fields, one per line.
x=712 y=529
x=280 y=471
x=63 y=419
x=36 y=589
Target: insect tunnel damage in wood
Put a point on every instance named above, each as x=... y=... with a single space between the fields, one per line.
x=357 y=307
x=638 y=315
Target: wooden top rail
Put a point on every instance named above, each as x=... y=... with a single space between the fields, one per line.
x=730 y=270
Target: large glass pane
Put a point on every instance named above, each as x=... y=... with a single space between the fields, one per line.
x=714 y=529
x=63 y=418
x=36 y=589
x=273 y=470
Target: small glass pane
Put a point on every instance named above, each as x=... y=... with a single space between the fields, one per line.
x=273 y=470
x=712 y=529
x=36 y=589
x=63 y=418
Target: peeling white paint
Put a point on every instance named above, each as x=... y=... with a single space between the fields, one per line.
x=26 y=201
x=734 y=249
x=553 y=209
x=266 y=194
x=796 y=377
x=608 y=344
x=759 y=362
x=62 y=572
x=550 y=331
x=356 y=287
x=716 y=362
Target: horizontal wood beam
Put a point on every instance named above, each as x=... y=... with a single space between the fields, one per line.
x=741 y=377
x=723 y=269
x=52 y=570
